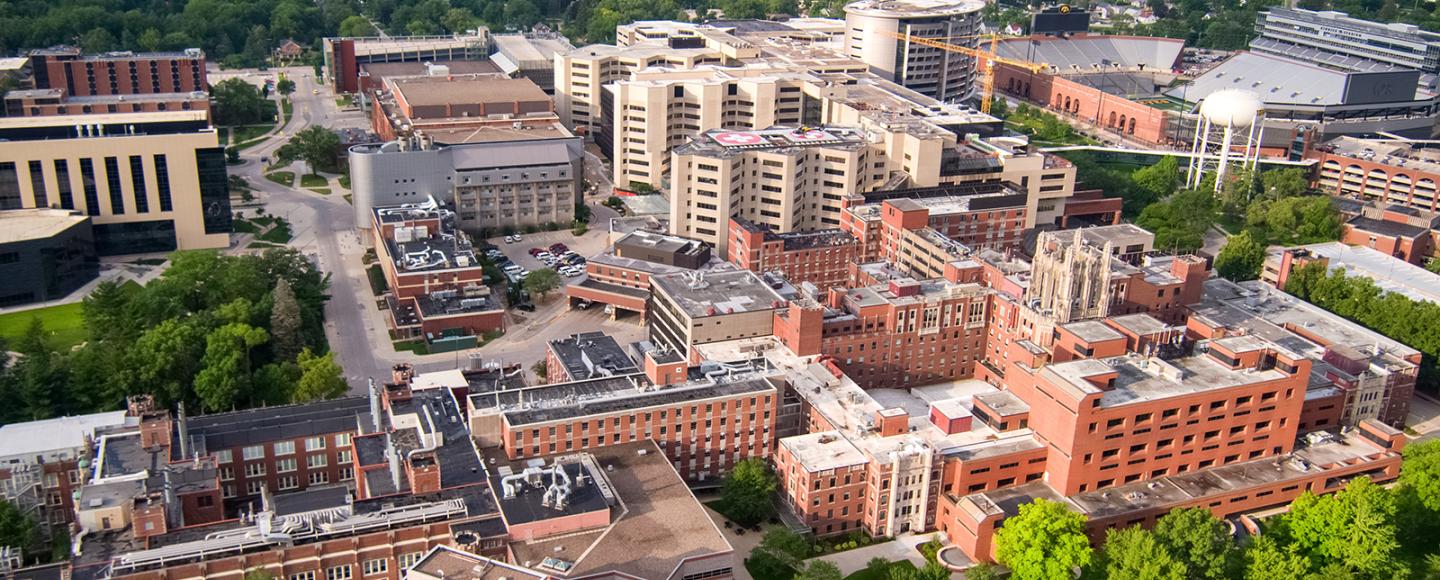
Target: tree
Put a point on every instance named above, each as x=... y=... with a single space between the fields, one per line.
x=1354 y=529
x=285 y=339
x=1179 y=222
x=1266 y=560
x=1421 y=473
x=1433 y=265
x=820 y=570
x=226 y=377
x=285 y=86
x=1045 y=540
x=317 y=146
x=930 y=571
x=747 y=491
x=458 y=20
x=1241 y=258
x=1133 y=553
x=1283 y=183
x=320 y=378
x=983 y=571
x=787 y=547
x=259 y=574
x=1155 y=182
x=541 y=281
x=237 y=102
x=1198 y=540
x=876 y=566
x=356 y=26
x=16 y=528
x=540 y=369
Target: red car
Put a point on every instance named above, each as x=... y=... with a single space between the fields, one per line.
x=558 y=248
x=535 y=252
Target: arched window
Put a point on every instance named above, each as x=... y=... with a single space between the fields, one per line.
x=1132 y=125
x=1112 y=119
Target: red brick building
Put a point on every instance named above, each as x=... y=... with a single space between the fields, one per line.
x=50 y=102
x=436 y=284
x=119 y=73
x=820 y=257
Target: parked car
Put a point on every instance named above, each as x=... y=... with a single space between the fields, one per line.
x=526 y=306
x=512 y=239
x=558 y=247
x=536 y=251
x=583 y=304
x=511 y=267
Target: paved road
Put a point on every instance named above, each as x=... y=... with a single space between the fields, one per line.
x=324 y=228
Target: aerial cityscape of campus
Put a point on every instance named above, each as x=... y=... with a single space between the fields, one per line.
x=719 y=289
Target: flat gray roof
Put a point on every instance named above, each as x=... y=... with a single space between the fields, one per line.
x=711 y=293
x=20 y=225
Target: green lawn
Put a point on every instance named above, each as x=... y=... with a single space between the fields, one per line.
x=277 y=235
x=345 y=181
x=245 y=133
x=313 y=180
x=263 y=245
x=417 y=346
x=242 y=226
x=284 y=178
x=349 y=199
x=288 y=107
x=866 y=574
x=344 y=101
x=64 y=325
x=320 y=190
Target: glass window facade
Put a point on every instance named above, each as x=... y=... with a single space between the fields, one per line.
x=9 y=186
x=214 y=190
x=92 y=192
x=135 y=237
x=112 y=186
x=162 y=183
x=137 y=183
x=62 y=184
x=37 y=184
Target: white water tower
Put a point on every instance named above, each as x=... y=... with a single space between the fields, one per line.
x=1228 y=133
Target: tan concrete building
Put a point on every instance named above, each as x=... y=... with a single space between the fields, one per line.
x=150 y=182
x=580 y=74
x=787 y=178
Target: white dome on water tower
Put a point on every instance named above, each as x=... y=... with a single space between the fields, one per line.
x=1234 y=108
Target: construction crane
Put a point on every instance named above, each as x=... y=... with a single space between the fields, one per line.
x=987 y=60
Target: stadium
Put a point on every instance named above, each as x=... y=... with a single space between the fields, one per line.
x=1133 y=87
x=1117 y=82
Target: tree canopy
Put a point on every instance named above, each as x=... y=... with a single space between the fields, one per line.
x=1045 y=540
x=204 y=333
x=747 y=492
x=1241 y=258
x=1197 y=540
x=1134 y=553
x=1180 y=221
x=239 y=103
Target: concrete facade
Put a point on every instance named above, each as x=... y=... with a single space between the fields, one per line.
x=150 y=182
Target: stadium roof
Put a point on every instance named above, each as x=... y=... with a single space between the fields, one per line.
x=1084 y=51
x=1278 y=81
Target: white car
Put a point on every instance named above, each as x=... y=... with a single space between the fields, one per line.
x=512 y=239
x=570 y=272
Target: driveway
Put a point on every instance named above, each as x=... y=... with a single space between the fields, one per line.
x=1424 y=415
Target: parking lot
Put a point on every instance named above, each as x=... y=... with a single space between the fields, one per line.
x=519 y=252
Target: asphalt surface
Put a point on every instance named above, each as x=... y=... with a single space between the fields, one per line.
x=324 y=228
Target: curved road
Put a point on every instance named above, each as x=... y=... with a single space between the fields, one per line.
x=324 y=228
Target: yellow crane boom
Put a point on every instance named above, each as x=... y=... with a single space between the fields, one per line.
x=987 y=61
